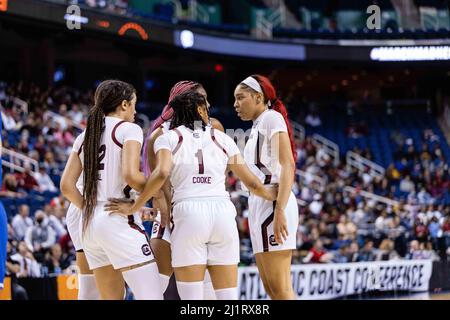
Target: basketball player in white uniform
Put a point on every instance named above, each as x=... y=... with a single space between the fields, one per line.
x=268 y=152
x=204 y=232
x=109 y=160
x=87 y=289
x=160 y=236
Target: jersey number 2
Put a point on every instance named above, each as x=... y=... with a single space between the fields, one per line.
x=201 y=167
x=102 y=152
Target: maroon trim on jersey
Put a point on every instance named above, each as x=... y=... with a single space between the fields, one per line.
x=259 y=164
x=264 y=226
x=160 y=232
x=80 y=149
x=126 y=191
x=134 y=226
x=171 y=224
x=113 y=134
x=213 y=137
x=180 y=141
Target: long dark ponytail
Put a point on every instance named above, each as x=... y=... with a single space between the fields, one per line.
x=108 y=96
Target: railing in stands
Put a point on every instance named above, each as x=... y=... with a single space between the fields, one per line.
x=354 y=160
x=298 y=131
x=265 y=24
x=309 y=176
x=278 y=16
x=331 y=148
x=17 y=161
x=69 y=120
x=178 y=9
x=371 y=196
x=263 y=27
x=198 y=13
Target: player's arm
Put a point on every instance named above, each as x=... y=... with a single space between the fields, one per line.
x=237 y=164
x=130 y=165
x=280 y=142
x=152 y=186
x=161 y=200
x=217 y=125
x=69 y=179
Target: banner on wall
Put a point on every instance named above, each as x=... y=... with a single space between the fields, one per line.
x=328 y=281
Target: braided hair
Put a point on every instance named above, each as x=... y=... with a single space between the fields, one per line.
x=108 y=96
x=166 y=114
x=185 y=110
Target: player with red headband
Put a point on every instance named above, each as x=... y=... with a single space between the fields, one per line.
x=270 y=154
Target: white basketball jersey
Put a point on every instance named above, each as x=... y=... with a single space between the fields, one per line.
x=258 y=153
x=77 y=147
x=111 y=183
x=200 y=161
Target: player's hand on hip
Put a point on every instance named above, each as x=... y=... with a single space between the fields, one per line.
x=161 y=205
x=119 y=206
x=280 y=229
x=273 y=192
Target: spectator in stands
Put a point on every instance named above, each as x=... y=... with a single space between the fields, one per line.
x=317 y=254
x=382 y=222
x=386 y=251
x=353 y=252
x=398 y=138
x=21 y=222
x=69 y=136
x=342 y=255
x=424 y=197
x=392 y=173
x=428 y=252
x=26 y=180
x=313 y=119
x=13 y=269
x=56 y=262
x=346 y=229
x=406 y=185
x=12 y=235
x=446 y=230
x=10 y=187
x=435 y=232
x=75 y=114
x=29 y=267
x=420 y=231
x=315 y=207
x=31 y=126
x=322 y=157
x=50 y=164
x=61 y=120
x=56 y=219
x=414 y=251
x=23 y=146
x=367 y=253
x=44 y=181
x=40 y=237
x=41 y=147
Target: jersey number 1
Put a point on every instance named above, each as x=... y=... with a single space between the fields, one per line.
x=201 y=167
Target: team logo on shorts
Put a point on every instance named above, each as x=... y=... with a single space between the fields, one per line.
x=155 y=227
x=196 y=135
x=146 y=250
x=272 y=241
